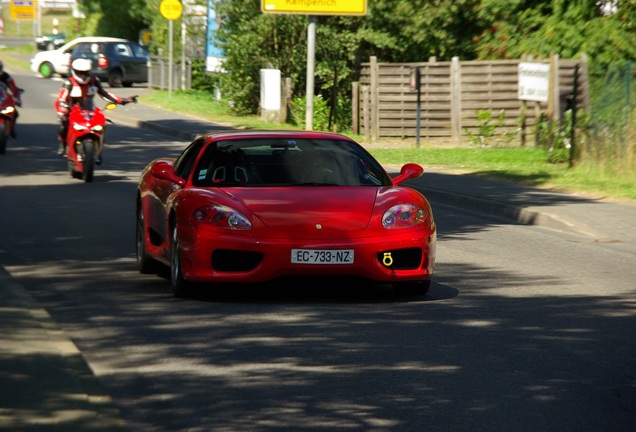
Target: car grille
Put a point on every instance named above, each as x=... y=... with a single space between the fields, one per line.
x=234 y=260
x=401 y=259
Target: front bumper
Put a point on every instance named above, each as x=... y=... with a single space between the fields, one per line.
x=208 y=257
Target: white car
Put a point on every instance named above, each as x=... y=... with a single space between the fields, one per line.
x=48 y=63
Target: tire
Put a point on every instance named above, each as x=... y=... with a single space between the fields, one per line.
x=88 y=147
x=3 y=139
x=127 y=84
x=145 y=264
x=412 y=288
x=46 y=70
x=180 y=287
x=115 y=78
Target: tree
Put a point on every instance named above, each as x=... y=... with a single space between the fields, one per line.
x=117 y=18
x=252 y=41
x=568 y=28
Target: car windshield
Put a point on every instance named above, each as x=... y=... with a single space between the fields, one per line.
x=287 y=162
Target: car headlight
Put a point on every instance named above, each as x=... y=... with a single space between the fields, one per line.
x=403 y=216
x=222 y=217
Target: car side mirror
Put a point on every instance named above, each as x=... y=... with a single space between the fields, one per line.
x=165 y=171
x=408 y=172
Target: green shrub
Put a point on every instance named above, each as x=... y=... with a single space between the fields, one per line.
x=340 y=120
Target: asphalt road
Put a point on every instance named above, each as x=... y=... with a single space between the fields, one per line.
x=524 y=329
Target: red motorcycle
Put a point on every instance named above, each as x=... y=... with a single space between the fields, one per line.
x=85 y=140
x=7 y=117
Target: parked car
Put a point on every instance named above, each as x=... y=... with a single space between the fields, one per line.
x=120 y=63
x=257 y=206
x=49 y=63
x=50 y=42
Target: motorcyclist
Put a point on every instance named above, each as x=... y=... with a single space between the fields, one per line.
x=80 y=89
x=7 y=82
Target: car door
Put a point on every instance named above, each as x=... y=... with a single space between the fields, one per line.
x=134 y=65
x=141 y=55
x=158 y=202
x=62 y=59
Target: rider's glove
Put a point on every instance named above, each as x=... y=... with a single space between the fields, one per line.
x=129 y=100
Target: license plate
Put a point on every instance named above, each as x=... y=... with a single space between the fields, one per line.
x=320 y=256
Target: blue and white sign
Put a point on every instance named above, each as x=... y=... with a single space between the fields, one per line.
x=213 y=55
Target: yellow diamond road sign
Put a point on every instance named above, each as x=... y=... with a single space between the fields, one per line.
x=315 y=7
x=170 y=9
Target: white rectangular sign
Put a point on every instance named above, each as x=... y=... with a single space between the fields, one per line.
x=534 y=81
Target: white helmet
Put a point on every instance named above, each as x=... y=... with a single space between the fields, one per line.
x=81 y=70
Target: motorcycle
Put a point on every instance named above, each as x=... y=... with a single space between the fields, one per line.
x=85 y=140
x=7 y=116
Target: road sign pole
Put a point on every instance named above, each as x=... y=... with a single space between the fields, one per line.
x=311 y=60
x=170 y=71
x=171 y=10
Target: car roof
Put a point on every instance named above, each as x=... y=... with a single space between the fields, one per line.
x=91 y=39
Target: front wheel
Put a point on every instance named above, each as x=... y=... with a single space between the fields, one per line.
x=3 y=138
x=46 y=70
x=180 y=287
x=88 y=147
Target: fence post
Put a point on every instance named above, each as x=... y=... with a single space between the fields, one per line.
x=575 y=93
x=456 y=100
x=375 y=109
x=583 y=74
x=287 y=106
x=365 y=112
x=355 y=107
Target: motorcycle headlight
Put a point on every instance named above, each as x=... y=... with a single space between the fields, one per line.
x=403 y=216
x=222 y=217
x=8 y=110
x=79 y=127
x=97 y=129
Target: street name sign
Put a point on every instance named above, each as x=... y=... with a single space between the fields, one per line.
x=315 y=7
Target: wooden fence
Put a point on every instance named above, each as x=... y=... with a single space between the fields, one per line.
x=451 y=95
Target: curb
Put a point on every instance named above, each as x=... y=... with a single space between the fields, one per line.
x=82 y=399
x=511 y=212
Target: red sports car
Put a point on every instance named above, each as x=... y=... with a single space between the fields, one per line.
x=257 y=206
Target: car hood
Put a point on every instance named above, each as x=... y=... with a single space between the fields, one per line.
x=310 y=207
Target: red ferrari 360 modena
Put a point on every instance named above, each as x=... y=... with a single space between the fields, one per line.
x=258 y=206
